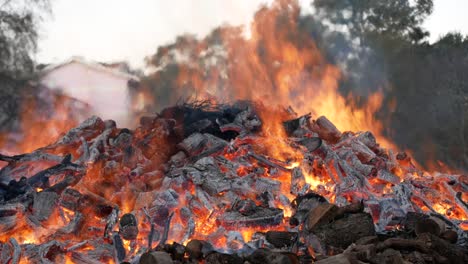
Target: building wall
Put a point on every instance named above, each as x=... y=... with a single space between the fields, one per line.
x=105 y=92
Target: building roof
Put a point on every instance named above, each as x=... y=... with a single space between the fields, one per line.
x=93 y=65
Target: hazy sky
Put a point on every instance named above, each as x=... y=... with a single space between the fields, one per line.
x=110 y=30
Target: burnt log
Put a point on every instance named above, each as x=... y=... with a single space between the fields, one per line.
x=261 y=216
x=281 y=239
x=119 y=249
x=311 y=144
x=262 y=256
x=128 y=227
x=343 y=232
x=16 y=255
x=321 y=214
x=326 y=129
x=292 y=125
x=156 y=257
x=198 y=249
x=44 y=204
x=221 y=258
x=454 y=254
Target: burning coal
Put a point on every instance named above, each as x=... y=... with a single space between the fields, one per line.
x=248 y=180
x=216 y=175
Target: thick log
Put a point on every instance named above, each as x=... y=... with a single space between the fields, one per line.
x=292 y=125
x=156 y=257
x=281 y=239
x=262 y=256
x=41 y=179
x=343 y=232
x=193 y=144
x=221 y=258
x=311 y=144
x=326 y=129
x=321 y=214
x=364 y=154
x=453 y=253
x=197 y=249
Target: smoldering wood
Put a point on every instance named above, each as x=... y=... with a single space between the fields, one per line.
x=16 y=256
x=262 y=256
x=197 y=249
x=292 y=125
x=193 y=144
x=364 y=154
x=326 y=129
x=299 y=185
x=176 y=250
x=41 y=179
x=260 y=217
x=167 y=226
x=220 y=258
x=321 y=214
x=33 y=156
x=344 y=231
x=311 y=144
x=453 y=253
x=82 y=258
x=111 y=221
x=128 y=226
x=267 y=162
x=450 y=235
x=281 y=239
x=156 y=257
x=43 y=205
x=119 y=249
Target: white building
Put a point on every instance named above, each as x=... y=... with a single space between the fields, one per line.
x=105 y=88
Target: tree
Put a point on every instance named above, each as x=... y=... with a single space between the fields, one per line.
x=19 y=20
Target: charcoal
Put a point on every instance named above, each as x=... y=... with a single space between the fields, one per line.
x=344 y=231
x=264 y=184
x=119 y=248
x=259 y=217
x=368 y=139
x=311 y=144
x=364 y=154
x=128 y=226
x=429 y=225
x=321 y=214
x=178 y=159
x=176 y=250
x=82 y=258
x=298 y=182
x=16 y=255
x=197 y=249
x=326 y=129
x=281 y=239
x=292 y=125
x=156 y=257
x=262 y=256
x=193 y=144
x=44 y=204
x=221 y=258
x=388 y=177
x=88 y=129
x=450 y=236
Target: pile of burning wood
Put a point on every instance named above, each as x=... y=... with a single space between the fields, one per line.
x=215 y=184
